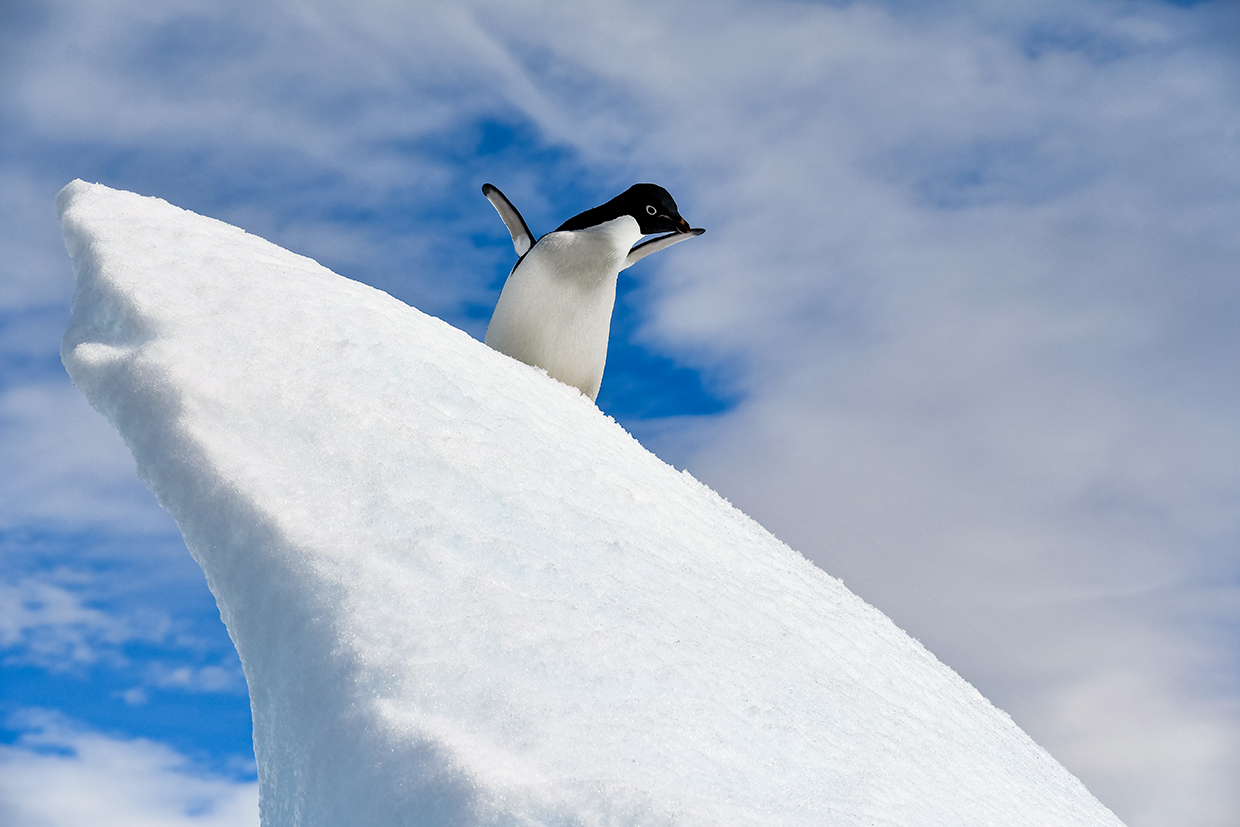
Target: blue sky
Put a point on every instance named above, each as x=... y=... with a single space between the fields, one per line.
x=963 y=328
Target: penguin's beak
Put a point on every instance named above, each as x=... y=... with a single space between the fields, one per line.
x=682 y=226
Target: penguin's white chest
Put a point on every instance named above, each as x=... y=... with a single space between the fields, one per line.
x=555 y=309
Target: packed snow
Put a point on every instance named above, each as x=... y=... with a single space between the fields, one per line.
x=464 y=595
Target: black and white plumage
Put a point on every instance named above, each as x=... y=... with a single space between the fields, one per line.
x=555 y=309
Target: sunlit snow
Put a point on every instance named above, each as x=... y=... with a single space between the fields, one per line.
x=464 y=595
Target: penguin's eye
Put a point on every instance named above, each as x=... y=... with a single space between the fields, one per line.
x=651 y=210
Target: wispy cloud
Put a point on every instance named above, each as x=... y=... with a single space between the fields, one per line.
x=65 y=466
x=211 y=678
x=51 y=627
x=47 y=625
x=58 y=774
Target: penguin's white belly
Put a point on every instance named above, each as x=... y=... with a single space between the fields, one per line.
x=555 y=309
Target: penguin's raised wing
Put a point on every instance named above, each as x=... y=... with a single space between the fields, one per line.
x=656 y=244
x=522 y=238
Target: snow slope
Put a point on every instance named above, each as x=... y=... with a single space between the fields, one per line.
x=463 y=595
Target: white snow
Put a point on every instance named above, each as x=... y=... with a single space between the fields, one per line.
x=463 y=595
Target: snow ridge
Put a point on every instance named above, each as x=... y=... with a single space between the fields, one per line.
x=463 y=595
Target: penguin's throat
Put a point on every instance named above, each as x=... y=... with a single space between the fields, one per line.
x=595 y=253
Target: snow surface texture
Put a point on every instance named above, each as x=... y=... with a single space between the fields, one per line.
x=463 y=595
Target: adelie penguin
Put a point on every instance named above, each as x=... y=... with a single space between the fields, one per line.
x=555 y=309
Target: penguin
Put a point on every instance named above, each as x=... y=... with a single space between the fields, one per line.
x=555 y=309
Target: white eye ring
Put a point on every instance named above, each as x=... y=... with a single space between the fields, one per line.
x=650 y=210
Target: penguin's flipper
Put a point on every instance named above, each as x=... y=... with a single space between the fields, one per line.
x=656 y=244
x=522 y=238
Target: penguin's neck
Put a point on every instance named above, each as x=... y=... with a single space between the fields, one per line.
x=594 y=254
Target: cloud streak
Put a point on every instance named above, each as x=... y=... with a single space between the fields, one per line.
x=59 y=774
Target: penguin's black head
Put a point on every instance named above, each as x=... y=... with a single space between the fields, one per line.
x=653 y=208
x=651 y=205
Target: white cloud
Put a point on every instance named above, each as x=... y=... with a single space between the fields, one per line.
x=212 y=678
x=66 y=466
x=228 y=679
x=33 y=249
x=57 y=775
x=47 y=625
x=1126 y=724
x=66 y=620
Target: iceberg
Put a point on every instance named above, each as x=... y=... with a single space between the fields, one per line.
x=464 y=595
